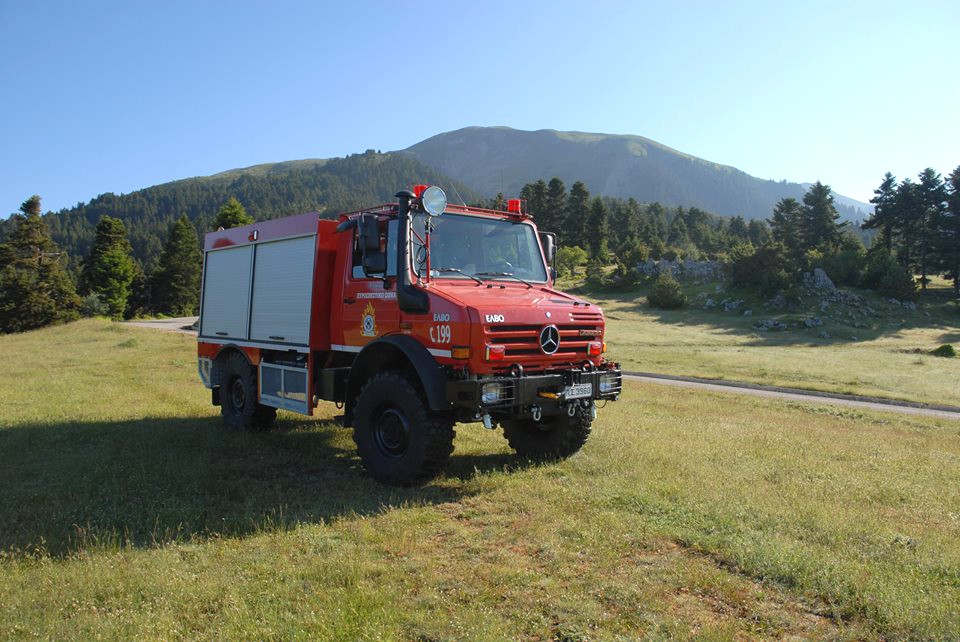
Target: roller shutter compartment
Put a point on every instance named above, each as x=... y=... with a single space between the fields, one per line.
x=282 y=288
x=226 y=293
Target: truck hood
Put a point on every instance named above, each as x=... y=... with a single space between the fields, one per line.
x=499 y=294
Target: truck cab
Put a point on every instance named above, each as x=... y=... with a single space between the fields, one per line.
x=415 y=316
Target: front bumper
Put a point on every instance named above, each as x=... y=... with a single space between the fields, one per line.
x=546 y=392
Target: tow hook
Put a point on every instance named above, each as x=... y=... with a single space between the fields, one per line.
x=488 y=422
x=536 y=413
x=572 y=409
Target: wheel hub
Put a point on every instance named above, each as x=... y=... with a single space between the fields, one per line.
x=238 y=396
x=391 y=433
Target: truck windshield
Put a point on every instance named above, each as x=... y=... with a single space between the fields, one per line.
x=461 y=246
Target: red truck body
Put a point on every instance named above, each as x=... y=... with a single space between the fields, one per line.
x=294 y=296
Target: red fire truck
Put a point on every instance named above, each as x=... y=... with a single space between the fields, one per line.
x=413 y=316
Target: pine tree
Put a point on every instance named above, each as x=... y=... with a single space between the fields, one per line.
x=556 y=201
x=109 y=270
x=499 y=203
x=176 y=283
x=785 y=226
x=231 y=214
x=884 y=211
x=678 y=236
x=907 y=213
x=738 y=229
x=35 y=290
x=947 y=226
x=577 y=212
x=933 y=197
x=819 y=228
x=535 y=195
x=759 y=232
x=598 y=229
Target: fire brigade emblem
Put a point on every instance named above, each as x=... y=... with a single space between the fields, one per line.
x=369 y=321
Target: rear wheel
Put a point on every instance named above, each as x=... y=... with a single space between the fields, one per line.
x=551 y=438
x=238 y=397
x=400 y=441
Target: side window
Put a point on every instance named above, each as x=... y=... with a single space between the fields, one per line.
x=388 y=236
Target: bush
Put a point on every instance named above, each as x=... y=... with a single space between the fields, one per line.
x=595 y=275
x=878 y=263
x=761 y=269
x=93 y=306
x=569 y=258
x=946 y=350
x=898 y=283
x=666 y=293
x=845 y=267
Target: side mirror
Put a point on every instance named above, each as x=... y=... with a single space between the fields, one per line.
x=369 y=233
x=373 y=260
x=549 y=242
x=375 y=264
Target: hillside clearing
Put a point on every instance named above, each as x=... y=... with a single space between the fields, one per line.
x=128 y=511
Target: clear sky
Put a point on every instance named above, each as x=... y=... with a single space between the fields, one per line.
x=113 y=96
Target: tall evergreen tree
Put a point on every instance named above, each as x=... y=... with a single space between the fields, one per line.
x=785 y=228
x=109 y=270
x=598 y=229
x=231 y=214
x=176 y=283
x=35 y=290
x=908 y=211
x=535 y=195
x=577 y=211
x=820 y=229
x=884 y=210
x=556 y=201
x=678 y=235
x=759 y=232
x=947 y=226
x=738 y=229
x=933 y=197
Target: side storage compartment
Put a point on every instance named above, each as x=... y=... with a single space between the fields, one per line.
x=226 y=293
x=282 y=289
x=283 y=386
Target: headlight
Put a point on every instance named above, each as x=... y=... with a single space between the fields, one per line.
x=491 y=393
x=609 y=382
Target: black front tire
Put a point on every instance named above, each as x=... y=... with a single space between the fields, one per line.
x=400 y=441
x=554 y=437
x=238 y=397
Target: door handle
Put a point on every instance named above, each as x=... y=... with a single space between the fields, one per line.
x=349 y=300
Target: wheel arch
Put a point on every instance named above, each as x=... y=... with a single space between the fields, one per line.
x=402 y=353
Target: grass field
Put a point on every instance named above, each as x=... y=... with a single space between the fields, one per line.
x=127 y=512
x=884 y=355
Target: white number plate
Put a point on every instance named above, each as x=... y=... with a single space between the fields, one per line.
x=578 y=391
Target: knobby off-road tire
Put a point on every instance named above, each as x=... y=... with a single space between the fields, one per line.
x=238 y=397
x=552 y=438
x=400 y=441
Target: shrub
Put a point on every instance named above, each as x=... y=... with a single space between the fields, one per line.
x=666 y=293
x=946 y=350
x=898 y=282
x=93 y=306
x=569 y=258
x=761 y=269
x=595 y=275
x=845 y=267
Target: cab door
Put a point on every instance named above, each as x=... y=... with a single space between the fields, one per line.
x=370 y=307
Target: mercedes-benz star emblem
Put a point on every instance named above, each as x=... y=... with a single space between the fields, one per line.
x=549 y=339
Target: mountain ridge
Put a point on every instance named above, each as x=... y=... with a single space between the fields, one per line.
x=503 y=159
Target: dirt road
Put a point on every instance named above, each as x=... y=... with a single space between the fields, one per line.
x=179 y=324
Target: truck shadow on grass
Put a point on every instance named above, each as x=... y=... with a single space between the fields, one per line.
x=75 y=486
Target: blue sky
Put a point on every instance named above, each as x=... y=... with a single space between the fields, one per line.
x=102 y=96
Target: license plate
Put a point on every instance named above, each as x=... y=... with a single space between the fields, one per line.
x=578 y=391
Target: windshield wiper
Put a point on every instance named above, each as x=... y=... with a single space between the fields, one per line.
x=510 y=274
x=458 y=271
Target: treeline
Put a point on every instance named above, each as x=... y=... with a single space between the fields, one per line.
x=36 y=290
x=269 y=191
x=604 y=229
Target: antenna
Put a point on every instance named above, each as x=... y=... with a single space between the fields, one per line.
x=462 y=202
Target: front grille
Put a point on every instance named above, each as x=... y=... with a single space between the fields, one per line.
x=524 y=341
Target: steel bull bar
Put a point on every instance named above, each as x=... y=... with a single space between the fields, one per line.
x=533 y=395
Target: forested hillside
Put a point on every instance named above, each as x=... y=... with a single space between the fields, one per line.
x=266 y=191
x=501 y=159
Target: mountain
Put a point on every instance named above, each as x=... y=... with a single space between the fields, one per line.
x=267 y=191
x=501 y=159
